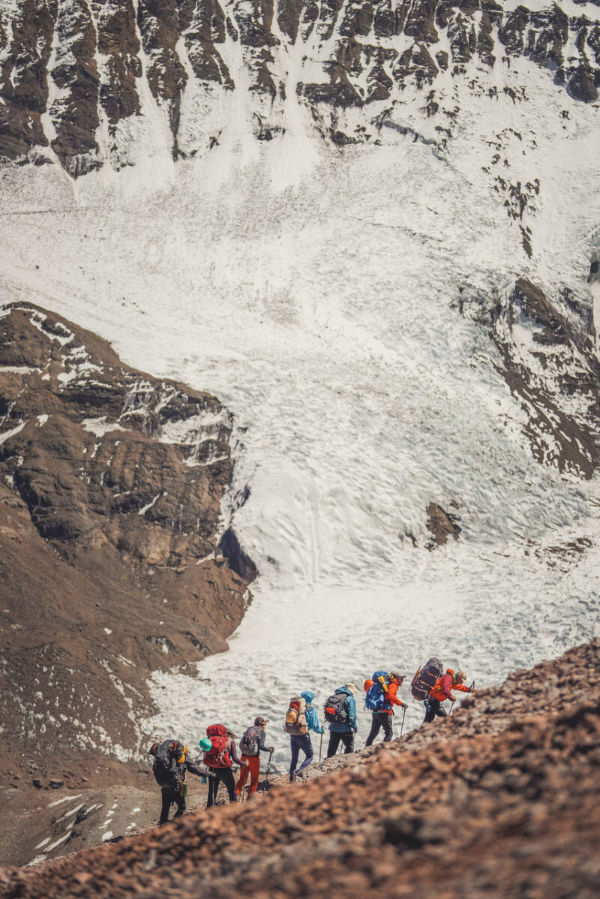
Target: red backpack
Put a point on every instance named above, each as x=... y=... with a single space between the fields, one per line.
x=218 y=756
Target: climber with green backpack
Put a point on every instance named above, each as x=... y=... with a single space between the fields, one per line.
x=169 y=768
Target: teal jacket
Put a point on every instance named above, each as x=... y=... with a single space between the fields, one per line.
x=349 y=725
x=312 y=718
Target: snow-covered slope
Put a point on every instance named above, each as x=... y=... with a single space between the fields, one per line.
x=355 y=309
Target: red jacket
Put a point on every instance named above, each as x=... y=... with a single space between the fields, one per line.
x=442 y=689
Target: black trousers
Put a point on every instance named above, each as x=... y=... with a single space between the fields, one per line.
x=380 y=719
x=172 y=795
x=433 y=707
x=334 y=741
x=224 y=776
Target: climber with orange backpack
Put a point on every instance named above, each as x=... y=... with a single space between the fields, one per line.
x=219 y=759
x=301 y=718
x=442 y=690
x=382 y=690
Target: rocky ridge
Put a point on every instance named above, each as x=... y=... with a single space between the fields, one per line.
x=501 y=799
x=547 y=355
x=117 y=555
x=82 y=81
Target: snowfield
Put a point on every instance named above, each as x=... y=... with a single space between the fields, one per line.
x=315 y=292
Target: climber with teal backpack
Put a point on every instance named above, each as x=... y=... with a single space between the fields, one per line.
x=381 y=698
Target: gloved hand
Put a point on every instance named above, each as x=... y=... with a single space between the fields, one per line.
x=271 y=749
x=404 y=705
x=322 y=731
x=355 y=728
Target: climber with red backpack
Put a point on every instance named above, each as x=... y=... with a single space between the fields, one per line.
x=251 y=744
x=340 y=713
x=301 y=718
x=442 y=690
x=381 y=698
x=219 y=759
x=170 y=765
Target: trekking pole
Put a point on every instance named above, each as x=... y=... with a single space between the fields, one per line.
x=403 y=717
x=265 y=783
x=321 y=746
x=454 y=700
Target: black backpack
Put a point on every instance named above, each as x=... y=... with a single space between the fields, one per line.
x=425 y=679
x=250 y=740
x=165 y=769
x=336 y=709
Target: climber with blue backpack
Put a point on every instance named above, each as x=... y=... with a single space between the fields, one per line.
x=381 y=698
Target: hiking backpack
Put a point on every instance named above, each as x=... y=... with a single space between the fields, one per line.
x=218 y=756
x=375 y=699
x=165 y=765
x=250 y=741
x=425 y=679
x=295 y=719
x=336 y=709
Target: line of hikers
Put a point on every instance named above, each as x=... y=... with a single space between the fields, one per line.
x=171 y=760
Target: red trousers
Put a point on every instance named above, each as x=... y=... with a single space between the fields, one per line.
x=253 y=769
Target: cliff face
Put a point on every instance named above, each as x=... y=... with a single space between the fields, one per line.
x=112 y=485
x=500 y=799
x=82 y=81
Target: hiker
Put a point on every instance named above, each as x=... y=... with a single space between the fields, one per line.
x=251 y=744
x=301 y=718
x=340 y=712
x=381 y=698
x=169 y=768
x=441 y=690
x=220 y=758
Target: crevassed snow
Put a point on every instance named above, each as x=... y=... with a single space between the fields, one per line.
x=315 y=294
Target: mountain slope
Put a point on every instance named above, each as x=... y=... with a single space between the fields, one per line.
x=372 y=242
x=502 y=798
x=90 y=83
x=113 y=563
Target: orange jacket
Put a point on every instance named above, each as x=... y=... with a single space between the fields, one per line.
x=391 y=696
x=442 y=689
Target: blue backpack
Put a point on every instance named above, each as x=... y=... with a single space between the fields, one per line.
x=375 y=699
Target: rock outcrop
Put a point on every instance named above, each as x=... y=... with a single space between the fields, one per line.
x=80 y=81
x=112 y=487
x=501 y=799
x=548 y=359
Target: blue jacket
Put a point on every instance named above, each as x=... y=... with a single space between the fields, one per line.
x=351 y=706
x=312 y=719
